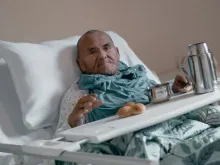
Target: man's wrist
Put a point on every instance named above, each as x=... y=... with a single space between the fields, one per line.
x=73 y=120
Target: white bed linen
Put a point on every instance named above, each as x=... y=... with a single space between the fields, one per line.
x=12 y=129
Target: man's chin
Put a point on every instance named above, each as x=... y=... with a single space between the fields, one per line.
x=107 y=70
x=108 y=73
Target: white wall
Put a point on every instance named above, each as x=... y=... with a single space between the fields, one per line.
x=157 y=30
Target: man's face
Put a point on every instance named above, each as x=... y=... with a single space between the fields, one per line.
x=97 y=54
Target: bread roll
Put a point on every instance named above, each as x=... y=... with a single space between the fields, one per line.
x=138 y=109
x=130 y=104
x=124 y=111
x=131 y=109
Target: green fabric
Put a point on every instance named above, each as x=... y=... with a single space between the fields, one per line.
x=128 y=84
x=191 y=139
x=184 y=140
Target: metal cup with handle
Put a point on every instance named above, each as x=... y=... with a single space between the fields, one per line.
x=201 y=68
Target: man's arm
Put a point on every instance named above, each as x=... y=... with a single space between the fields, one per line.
x=181 y=83
x=68 y=102
x=84 y=105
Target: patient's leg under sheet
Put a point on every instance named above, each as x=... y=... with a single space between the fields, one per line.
x=155 y=142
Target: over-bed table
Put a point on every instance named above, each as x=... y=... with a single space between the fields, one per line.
x=61 y=148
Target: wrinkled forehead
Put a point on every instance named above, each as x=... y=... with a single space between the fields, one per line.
x=94 y=40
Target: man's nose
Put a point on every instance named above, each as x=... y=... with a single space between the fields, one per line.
x=102 y=53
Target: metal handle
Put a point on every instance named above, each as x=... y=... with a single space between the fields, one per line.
x=213 y=67
x=184 y=69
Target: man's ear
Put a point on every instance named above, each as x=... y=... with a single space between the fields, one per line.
x=117 y=52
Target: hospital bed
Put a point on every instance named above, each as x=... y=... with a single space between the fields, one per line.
x=39 y=145
x=12 y=129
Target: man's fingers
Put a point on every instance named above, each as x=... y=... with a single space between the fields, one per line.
x=90 y=105
x=93 y=95
x=88 y=98
x=183 y=80
x=97 y=104
x=177 y=89
x=186 y=89
x=87 y=104
x=83 y=111
x=180 y=78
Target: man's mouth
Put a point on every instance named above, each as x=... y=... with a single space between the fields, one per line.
x=104 y=62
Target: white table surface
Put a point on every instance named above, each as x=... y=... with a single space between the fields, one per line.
x=114 y=126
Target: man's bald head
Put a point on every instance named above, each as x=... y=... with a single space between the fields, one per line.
x=96 y=53
x=88 y=33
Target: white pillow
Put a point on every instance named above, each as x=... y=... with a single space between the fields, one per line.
x=41 y=75
x=126 y=53
x=128 y=56
x=43 y=72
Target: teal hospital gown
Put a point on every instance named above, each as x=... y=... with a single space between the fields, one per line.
x=179 y=139
x=128 y=84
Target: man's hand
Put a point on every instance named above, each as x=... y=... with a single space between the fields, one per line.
x=85 y=105
x=182 y=84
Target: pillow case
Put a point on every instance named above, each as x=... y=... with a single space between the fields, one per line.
x=128 y=56
x=40 y=74
x=43 y=72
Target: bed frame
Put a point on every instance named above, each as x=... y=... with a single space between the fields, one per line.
x=65 y=145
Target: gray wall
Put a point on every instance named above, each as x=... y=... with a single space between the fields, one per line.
x=157 y=30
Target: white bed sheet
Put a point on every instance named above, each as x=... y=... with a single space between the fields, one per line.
x=12 y=129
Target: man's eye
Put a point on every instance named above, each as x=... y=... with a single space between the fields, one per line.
x=91 y=51
x=106 y=47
